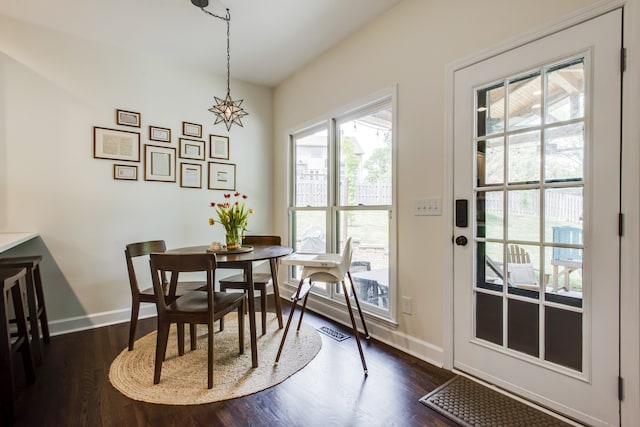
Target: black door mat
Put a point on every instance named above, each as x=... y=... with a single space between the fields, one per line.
x=471 y=404
x=336 y=335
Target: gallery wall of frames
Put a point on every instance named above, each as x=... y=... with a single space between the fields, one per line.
x=191 y=159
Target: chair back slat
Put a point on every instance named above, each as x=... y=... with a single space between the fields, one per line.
x=518 y=255
x=134 y=250
x=184 y=263
x=145 y=248
x=261 y=240
x=567 y=235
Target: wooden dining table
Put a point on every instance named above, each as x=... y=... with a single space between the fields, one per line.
x=244 y=261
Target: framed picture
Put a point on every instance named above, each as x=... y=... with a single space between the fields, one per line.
x=159 y=134
x=222 y=176
x=192 y=129
x=116 y=144
x=219 y=147
x=190 y=175
x=191 y=149
x=159 y=163
x=128 y=118
x=126 y=172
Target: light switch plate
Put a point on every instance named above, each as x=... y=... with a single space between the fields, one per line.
x=431 y=206
x=407 y=305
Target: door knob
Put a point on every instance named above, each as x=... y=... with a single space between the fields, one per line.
x=461 y=241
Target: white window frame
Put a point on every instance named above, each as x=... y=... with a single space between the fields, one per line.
x=372 y=103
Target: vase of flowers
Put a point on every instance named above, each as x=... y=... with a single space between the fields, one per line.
x=234 y=238
x=234 y=216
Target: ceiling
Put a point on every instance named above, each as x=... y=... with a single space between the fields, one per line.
x=270 y=39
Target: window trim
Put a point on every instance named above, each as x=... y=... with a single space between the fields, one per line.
x=330 y=121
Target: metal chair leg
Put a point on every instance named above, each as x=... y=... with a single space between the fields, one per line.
x=355 y=329
x=304 y=307
x=294 y=302
x=355 y=296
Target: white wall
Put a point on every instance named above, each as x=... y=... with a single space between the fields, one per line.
x=53 y=89
x=410 y=46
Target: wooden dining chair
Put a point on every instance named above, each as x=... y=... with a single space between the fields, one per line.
x=144 y=249
x=261 y=281
x=194 y=307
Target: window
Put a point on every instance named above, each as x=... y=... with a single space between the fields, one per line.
x=342 y=185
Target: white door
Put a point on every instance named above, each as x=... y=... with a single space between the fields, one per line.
x=536 y=158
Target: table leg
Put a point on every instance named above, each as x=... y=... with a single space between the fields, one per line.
x=276 y=290
x=248 y=272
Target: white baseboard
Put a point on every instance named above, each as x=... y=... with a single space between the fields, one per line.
x=98 y=320
x=378 y=328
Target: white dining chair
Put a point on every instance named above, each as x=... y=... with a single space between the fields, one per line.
x=329 y=268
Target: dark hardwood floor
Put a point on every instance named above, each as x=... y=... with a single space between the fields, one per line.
x=72 y=389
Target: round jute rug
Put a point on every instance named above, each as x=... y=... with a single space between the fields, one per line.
x=184 y=379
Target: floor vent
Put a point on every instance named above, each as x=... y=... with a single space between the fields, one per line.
x=336 y=335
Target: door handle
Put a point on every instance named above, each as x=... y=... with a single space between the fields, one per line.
x=461 y=241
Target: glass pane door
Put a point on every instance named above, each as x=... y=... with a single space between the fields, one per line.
x=536 y=149
x=529 y=207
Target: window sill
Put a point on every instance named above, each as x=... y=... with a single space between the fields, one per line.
x=336 y=310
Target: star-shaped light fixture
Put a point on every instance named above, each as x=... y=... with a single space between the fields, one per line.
x=226 y=110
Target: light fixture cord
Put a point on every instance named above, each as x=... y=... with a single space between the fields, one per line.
x=228 y=53
x=226 y=18
x=226 y=110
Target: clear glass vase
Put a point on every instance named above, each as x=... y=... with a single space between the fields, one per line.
x=234 y=238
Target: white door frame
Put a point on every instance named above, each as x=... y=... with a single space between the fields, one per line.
x=630 y=254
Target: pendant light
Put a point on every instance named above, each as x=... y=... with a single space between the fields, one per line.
x=226 y=110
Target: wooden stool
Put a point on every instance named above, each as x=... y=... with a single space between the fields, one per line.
x=35 y=299
x=10 y=279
